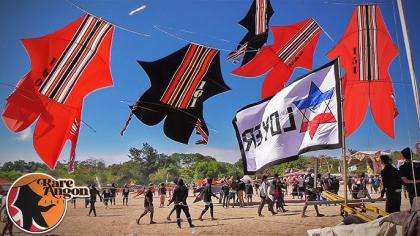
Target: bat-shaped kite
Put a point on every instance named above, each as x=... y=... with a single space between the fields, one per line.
x=180 y=83
x=366 y=51
x=67 y=65
x=256 y=22
x=293 y=47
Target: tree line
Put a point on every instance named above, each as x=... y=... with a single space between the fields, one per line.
x=147 y=165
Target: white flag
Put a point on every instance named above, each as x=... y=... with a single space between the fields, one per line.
x=304 y=116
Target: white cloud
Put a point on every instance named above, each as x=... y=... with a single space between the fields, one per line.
x=221 y=154
x=25 y=135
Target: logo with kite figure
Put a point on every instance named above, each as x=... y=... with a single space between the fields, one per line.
x=37 y=202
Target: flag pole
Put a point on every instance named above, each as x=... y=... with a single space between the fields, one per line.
x=412 y=73
x=409 y=58
x=343 y=136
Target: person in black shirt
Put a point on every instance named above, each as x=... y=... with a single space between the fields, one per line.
x=225 y=189
x=335 y=186
x=179 y=198
x=174 y=208
x=125 y=193
x=148 y=205
x=241 y=191
x=93 y=192
x=113 y=191
x=248 y=191
x=207 y=194
x=327 y=183
x=311 y=193
x=106 y=194
x=391 y=186
x=406 y=174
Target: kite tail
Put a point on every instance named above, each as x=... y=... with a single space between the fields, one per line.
x=74 y=136
x=275 y=81
x=356 y=99
x=127 y=123
x=202 y=132
x=383 y=106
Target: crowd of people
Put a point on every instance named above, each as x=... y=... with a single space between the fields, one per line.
x=271 y=191
x=235 y=191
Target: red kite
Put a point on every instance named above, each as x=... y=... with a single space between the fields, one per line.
x=67 y=65
x=293 y=47
x=366 y=51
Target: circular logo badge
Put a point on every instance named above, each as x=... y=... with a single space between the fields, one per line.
x=35 y=203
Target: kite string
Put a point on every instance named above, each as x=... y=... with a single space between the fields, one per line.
x=405 y=103
x=326 y=33
x=115 y=25
x=70 y=107
x=157 y=27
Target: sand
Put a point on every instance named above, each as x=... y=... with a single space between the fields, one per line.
x=121 y=220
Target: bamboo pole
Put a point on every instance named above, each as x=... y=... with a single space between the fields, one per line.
x=343 y=138
x=409 y=58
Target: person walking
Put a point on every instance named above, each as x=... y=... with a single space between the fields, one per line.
x=93 y=192
x=248 y=192
x=264 y=192
x=179 y=198
x=277 y=195
x=256 y=186
x=301 y=186
x=310 y=193
x=363 y=186
x=225 y=189
x=113 y=191
x=125 y=193
x=406 y=174
x=148 y=205
x=207 y=195
x=234 y=185
x=106 y=196
x=162 y=195
x=241 y=192
x=391 y=185
x=174 y=208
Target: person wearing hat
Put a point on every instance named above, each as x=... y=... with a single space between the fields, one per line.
x=406 y=174
x=148 y=205
x=391 y=185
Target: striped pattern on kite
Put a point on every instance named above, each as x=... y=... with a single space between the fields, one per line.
x=187 y=78
x=368 y=56
x=75 y=58
x=299 y=41
x=260 y=17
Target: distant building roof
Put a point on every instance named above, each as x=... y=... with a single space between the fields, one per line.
x=5 y=182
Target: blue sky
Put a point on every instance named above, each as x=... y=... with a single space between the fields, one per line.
x=208 y=22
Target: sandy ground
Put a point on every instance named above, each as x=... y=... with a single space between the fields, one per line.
x=121 y=220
